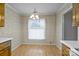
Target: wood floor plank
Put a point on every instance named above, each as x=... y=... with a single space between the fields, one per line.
x=36 y=50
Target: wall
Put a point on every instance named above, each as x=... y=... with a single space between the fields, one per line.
x=78 y=34
x=60 y=22
x=12 y=27
x=70 y=32
x=50 y=31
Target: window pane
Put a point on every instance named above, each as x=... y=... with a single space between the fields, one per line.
x=36 y=29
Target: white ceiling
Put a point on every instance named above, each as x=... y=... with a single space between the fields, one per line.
x=42 y=8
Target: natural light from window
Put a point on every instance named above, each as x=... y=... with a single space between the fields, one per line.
x=36 y=29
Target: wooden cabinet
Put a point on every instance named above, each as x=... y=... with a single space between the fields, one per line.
x=65 y=50
x=2 y=14
x=75 y=14
x=5 y=48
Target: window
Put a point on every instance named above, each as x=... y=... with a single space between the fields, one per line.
x=36 y=29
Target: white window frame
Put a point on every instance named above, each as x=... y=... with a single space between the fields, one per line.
x=43 y=38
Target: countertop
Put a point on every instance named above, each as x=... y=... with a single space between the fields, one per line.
x=4 y=39
x=72 y=45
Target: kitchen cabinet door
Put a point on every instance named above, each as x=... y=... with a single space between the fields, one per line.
x=5 y=48
x=65 y=50
x=75 y=14
x=2 y=14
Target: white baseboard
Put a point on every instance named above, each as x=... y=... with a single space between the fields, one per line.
x=38 y=43
x=15 y=47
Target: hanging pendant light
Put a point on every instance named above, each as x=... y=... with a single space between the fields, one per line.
x=35 y=15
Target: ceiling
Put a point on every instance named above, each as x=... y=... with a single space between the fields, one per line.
x=42 y=8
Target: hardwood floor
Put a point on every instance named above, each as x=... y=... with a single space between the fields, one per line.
x=36 y=50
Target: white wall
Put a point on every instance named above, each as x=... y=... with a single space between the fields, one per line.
x=50 y=31
x=78 y=34
x=60 y=21
x=12 y=27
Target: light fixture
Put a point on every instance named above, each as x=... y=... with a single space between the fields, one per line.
x=35 y=15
